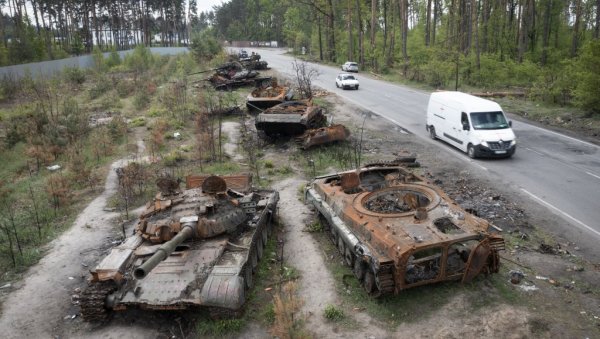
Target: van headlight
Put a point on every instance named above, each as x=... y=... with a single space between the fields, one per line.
x=484 y=143
x=513 y=142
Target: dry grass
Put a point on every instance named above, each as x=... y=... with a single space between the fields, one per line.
x=286 y=306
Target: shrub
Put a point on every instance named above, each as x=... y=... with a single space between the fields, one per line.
x=333 y=313
x=74 y=75
x=141 y=100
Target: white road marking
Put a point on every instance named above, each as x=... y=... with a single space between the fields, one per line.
x=561 y=212
x=592 y=174
x=534 y=151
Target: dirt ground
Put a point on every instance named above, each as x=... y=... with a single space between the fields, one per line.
x=565 y=304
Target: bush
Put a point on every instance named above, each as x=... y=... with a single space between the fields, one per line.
x=141 y=100
x=333 y=313
x=101 y=86
x=205 y=46
x=74 y=75
x=587 y=81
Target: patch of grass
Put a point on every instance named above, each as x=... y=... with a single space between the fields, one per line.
x=333 y=313
x=269 y=164
x=219 y=327
x=315 y=226
x=222 y=168
x=322 y=160
x=137 y=122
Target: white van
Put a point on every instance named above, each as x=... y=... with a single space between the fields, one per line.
x=474 y=125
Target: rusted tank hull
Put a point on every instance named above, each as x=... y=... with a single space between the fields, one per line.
x=397 y=230
x=263 y=98
x=323 y=135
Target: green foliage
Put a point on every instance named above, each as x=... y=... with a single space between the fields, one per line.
x=74 y=75
x=141 y=99
x=98 y=58
x=77 y=45
x=587 y=78
x=140 y=60
x=102 y=85
x=138 y=122
x=114 y=59
x=333 y=313
x=205 y=46
x=9 y=87
x=219 y=327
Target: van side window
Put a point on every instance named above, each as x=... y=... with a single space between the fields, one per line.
x=464 y=119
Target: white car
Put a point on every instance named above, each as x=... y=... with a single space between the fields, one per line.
x=345 y=80
x=350 y=66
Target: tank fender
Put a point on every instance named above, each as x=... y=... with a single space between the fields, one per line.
x=223 y=288
x=344 y=231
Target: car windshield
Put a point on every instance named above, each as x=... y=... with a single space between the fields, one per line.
x=488 y=120
x=353 y=64
x=348 y=77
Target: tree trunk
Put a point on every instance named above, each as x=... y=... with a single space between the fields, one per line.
x=372 y=35
x=361 y=35
x=11 y=251
x=436 y=9
x=404 y=23
x=428 y=23
x=546 y=31
x=350 y=38
x=331 y=22
x=575 y=41
x=597 y=26
x=320 y=37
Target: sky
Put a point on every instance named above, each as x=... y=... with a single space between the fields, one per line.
x=207 y=5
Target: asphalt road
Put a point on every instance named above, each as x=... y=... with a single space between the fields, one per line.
x=556 y=171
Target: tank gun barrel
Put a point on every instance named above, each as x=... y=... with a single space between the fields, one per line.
x=165 y=250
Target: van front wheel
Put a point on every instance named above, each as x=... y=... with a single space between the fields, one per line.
x=471 y=151
x=432 y=134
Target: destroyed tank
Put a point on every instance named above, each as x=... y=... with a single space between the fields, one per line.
x=233 y=74
x=196 y=247
x=396 y=230
x=264 y=97
x=290 y=118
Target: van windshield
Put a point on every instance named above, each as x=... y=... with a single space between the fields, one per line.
x=488 y=120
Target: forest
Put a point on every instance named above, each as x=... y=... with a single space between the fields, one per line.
x=549 y=49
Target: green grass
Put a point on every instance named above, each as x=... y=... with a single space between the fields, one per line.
x=333 y=313
x=219 y=327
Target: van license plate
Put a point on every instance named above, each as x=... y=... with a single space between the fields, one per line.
x=500 y=152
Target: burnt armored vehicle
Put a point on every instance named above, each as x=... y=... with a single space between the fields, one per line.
x=396 y=230
x=264 y=97
x=290 y=118
x=190 y=248
x=233 y=74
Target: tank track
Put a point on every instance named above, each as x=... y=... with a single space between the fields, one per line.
x=409 y=161
x=220 y=313
x=385 y=279
x=92 y=301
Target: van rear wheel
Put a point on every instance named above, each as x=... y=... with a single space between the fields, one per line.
x=471 y=151
x=432 y=134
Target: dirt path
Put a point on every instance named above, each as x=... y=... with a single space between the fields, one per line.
x=316 y=284
x=41 y=305
x=232 y=129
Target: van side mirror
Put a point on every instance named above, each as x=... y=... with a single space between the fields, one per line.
x=510 y=123
x=466 y=126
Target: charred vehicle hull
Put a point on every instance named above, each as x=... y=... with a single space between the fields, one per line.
x=264 y=97
x=290 y=118
x=398 y=231
x=198 y=247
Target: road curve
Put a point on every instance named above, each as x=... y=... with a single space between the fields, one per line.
x=556 y=171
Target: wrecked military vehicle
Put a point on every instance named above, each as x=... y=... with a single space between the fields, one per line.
x=264 y=97
x=194 y=247
x=233 y=74
x=323 y=135
x=290 y=118
x=397 y=230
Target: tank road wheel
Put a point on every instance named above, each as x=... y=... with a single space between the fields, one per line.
x=248 y=281
x=370 y=284
x=259 y=248
x=359 y=270
x=253 y=258
x=349 y=257
x=265 y=236
x=341 y=246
